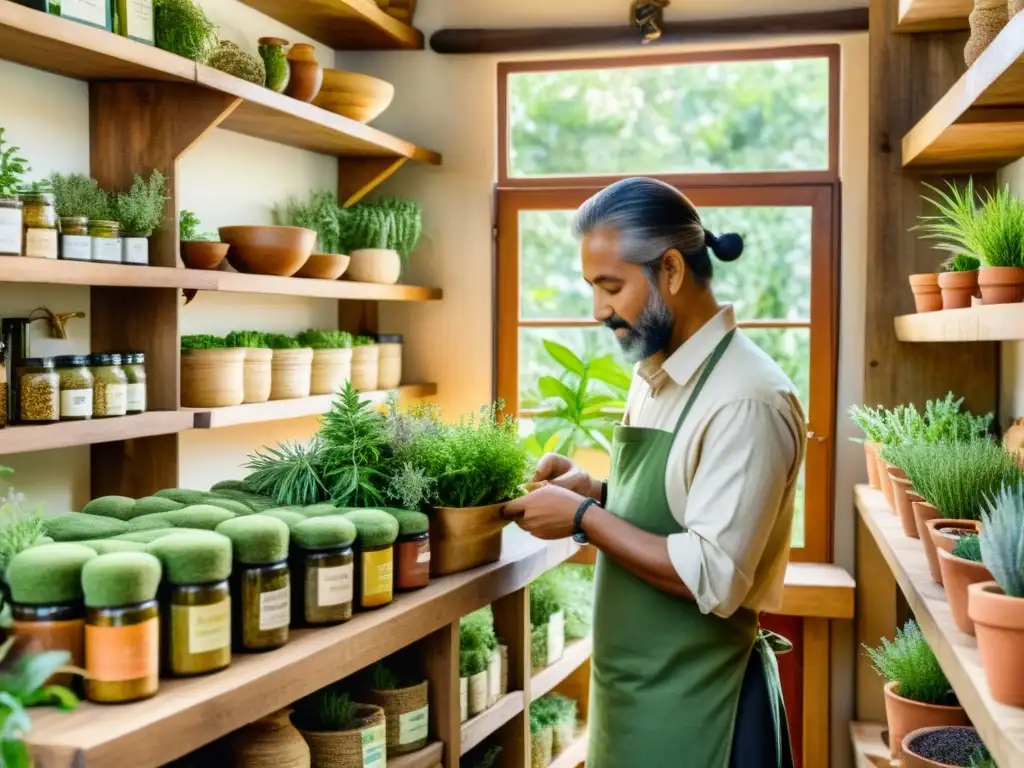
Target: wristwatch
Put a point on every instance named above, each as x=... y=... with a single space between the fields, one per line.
x=578 y=534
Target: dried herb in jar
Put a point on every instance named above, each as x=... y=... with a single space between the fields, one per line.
x=110 y=387
x=39 y=389
x=376 y=532
x=412 y=549
x=76 y=387
x=322 y=569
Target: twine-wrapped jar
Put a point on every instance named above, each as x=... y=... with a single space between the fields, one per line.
x=272 y=742
x=406 y=711
x=291 y=372
x=354 y=748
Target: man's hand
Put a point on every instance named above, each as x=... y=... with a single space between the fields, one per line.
x=562 y=471
x=547 y=513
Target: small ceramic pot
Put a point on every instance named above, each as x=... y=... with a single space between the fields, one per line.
x=1001 y=285
x=915 y=742
x=958 y=288
x=306 y=73
x=375 y=265
x=904 y=715
x=927 y=297
x=871 y=458
x=900 y=488
x=999 y=622
x=957 y=575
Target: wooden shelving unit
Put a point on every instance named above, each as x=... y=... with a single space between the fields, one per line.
x=869 y=749
x=349 y=24
x=478 y=728
x=428 y=757
x=574 y=756
x=933 y=15
x=1000 y=727
x=978 y=124
x=575 y=655
x=69 y=433
x=996 y=322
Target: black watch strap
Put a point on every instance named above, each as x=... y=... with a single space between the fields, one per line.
x=604 y=494
x=577 y=524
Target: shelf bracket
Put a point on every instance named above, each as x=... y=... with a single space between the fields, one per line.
x=359 y=176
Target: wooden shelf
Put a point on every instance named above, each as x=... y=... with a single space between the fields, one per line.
x=996 y=322
x=574 y=756
x=190 y=713
x=70 y=433
x=545 y=680
x=979 y=123
x=1000 y=727
x=75 y=50
x=478 y=728
x=427 y=757
x=933 y=15
x=869 y=750
x=818 y=590
x=20 y=270
x=343 y=24
x=279 y=410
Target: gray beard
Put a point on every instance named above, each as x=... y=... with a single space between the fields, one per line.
x=651 y=332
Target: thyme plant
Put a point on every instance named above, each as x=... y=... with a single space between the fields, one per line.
x=909 y=661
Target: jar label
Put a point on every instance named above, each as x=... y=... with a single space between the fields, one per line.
x=136 y=398
x=556 y=637
x=75 y=403
x=423 y=552
x=374 y=747
x=378 y=572
x=114 y=654
x=76 y=247
x=10 y=231
x=91 y=11
x=107 y=249
x=412 y=726
x=139 y=26
x=136 y=249
x=209 y=626
x=41 y=243
x=334 y=585
x=110 y=400
x=275 y=609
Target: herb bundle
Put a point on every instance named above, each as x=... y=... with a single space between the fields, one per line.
x=909 y=662
x=79 y=195
x=182 y=27
x=247 y=339
x=202 y=341
x=290 y=474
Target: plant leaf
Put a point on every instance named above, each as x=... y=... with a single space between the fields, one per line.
x=564 y=357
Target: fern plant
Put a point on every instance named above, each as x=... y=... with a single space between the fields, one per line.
x=13 y=168
x=1002 y=538
x=290 y=474
x=992 y=233
x=353 y=438
x=871 y=422
x=909 y=662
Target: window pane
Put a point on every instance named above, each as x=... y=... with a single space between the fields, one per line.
x=534 y=360
x=551 y=283
x=791 y=349
x=717 y=117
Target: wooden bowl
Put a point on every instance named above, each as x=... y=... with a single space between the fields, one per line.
x=354 y=95
x=266 y=250
x=324 y=266
x=199 y=254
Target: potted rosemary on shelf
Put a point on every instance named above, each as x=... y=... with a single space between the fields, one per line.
x=332 y=359
x=199 y=250
x=13 y=168
x=139 y=211
x=212 y=374
x=256 y=375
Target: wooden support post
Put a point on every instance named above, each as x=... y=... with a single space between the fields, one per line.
x=512 y=624
x=358 y=317
x=876 y=618
x=358 y=176
x=816 y=692
x=441 y=653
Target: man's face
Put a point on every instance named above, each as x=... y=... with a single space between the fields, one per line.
x=625 y=299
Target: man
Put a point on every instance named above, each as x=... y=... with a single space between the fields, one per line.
x=693 y=526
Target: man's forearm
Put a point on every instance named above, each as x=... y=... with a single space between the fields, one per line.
x=643 y=554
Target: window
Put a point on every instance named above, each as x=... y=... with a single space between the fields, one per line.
x=751 y=140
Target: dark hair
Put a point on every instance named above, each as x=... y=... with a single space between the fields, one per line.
x=652 y=218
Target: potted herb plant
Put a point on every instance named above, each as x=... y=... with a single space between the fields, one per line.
x=959 y=281
x=477 y=642
x=949 y=746
x=332 y=359
x=378 y=236
x=872 y=422
x=917 y=693
x=270 y=741
x=212 y=374
x=340 y=732
x=997 y=607
x=291 y=367
x=319 y=214
x=256 y=372
x=961 y=568
x=13 y=168
x=402 y=694
x=78 y=200
x=547 y=623
x=927 y=296
x=199 y=250
x=365 y=364
x=139 y=211
x=542 y=736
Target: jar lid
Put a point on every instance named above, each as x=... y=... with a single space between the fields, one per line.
x=10 y=202
x=134 y=358
x=105 y=358
x=389 y=338
x=74 y=219
x=104 y=224
x=38 y=362
x=67 y=361
x=44 y=198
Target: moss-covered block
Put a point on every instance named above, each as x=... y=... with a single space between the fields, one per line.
x=374 y=528
x=197 y=557
x=117 y=507
x=78 y=527
x=257 y=539
x=120 y=578
x=48 y=575
x=317 y=533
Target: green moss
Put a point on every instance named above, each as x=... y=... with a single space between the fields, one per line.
x=120 y=578
x=257 y=539
x=105 y=546
x=185 y=496
x=198 y=557
x=117 y=507
x=410 y=523
x=152 y=505
x=253 y=501
x=228 y=485
x=321 y=510
x=149 y=523
x=78 y=527
x=148 y=535
x=287 y=516
x=229 y=504
x=373 y=527
x=42 y=540
x=201 y=516
x=48 y=575
x=324 y=533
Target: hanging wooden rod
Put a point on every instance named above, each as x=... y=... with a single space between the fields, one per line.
x=704 y=30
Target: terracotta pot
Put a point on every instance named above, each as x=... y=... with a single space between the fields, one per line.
x=999 y=621
x=354 y=95
x=306 y=73
x=871 y=457
x=212 y=378
x=943 y=532
x=272 y=742
x=987 y=20
x=1001 y=285
x=957 y=575
x=257 y=374
x=913 y=760
x=886 y=484
x=365 y=368
x=927 y=297
x=464 y=538
x=375 y=265
x=923 y=513
x=268 y=250
x=958 y=288
x=324 y=266
x=900 y=487
x=331 y=369
x=198 y=254
x=291 y=373
x=904 y=716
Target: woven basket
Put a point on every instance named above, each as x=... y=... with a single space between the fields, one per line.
x=331 y=369
x=540 y=748
x=1014 y=7
x=463 y=699
x=406 y=713
x=464 y=538
x=272 y=742
x=344 y=749
x=365 y=368
x=987 y=20
x=291 y=372
x=212 y=378
x=257 y=375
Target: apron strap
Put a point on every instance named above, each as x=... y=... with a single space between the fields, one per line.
x=765 y=646
x=705 y=374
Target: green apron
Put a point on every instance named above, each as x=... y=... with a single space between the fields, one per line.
x=666 y=678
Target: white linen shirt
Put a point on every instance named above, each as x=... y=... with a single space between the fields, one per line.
x=733 y=467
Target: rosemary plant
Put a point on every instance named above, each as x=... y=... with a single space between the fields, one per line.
x=353 y=438
x=909 y=662
x=290 y=474
x=1002 y=538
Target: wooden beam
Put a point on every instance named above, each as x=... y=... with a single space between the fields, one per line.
x=817 y=689
x=441 y=652
x=706 y=30
x=358 y=176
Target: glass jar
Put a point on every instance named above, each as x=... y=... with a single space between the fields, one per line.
x=110 y=386
x=10 y=227
x=75 y=243
x=197 y=628
x=322 y=586
x=260 y=606
x=375 y=576
x=122 y=652
x=53 y=628
x=106 y=241
x=412 y=561
x=40 y=221
x=134 y=365
x=76 y=387
x=39 y=391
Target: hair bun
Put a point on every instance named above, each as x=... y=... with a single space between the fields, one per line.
x=727 y=247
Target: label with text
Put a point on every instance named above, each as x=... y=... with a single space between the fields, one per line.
x=136 y=250
x=75 y=403
x=139 y=26
x=90 y=11
x=136 y=398
x=76 y=247
x=334 y=585
x=209 y=626
x=10 y=231
x=41 y=243
x=412 y=726
x=375 y=744
x=275 y=609
x=106 y=249
x=115 y=654
x=378 y=572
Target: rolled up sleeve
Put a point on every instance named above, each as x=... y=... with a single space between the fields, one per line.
x=747 y=456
